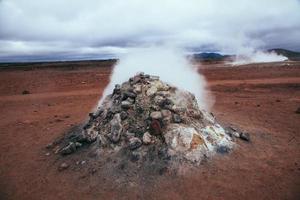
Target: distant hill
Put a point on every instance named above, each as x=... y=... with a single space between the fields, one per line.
x=210 y=57
x=291 y=55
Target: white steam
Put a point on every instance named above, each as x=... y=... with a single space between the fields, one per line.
x=170 y=64
x=258 y=57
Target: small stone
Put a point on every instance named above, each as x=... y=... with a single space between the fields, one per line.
x=130 y=100
x=126 y=104
x=156 y=115
x=25 y=92
x=117 y=89
x=245 y=136
x=136 y=79
x=235 y=134
x=137 y=89
x=155 y=127
x=146 y=138
x=129 y=94
x=134 y=143
x=223 y=149
x=47 y=154
x=83 y=162
x=90 y=136
x=297 y=111
x=158 y=100
x=151 y=91
x=177 y=118
x=166 y=114
x=49 y=146
x=123 y=115
x=166 y=103
x=78 y=144
x=63 y=166
x=70 y=148
x=116 y=128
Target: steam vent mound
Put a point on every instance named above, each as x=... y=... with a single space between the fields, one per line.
x=147 y=120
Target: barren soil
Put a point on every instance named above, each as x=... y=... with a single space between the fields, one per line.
x=260 y=99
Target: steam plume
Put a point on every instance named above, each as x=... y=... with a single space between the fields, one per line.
x=170 y=64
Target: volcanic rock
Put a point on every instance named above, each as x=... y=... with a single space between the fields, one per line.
x=245 y=136
x=297 y=111
x=145 y=119
x=134 y=143
x=156 y=115
x=147 y=138
x=116 y=128
x=70 y=148
x=25 y=92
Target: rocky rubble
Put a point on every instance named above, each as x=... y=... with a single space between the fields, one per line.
x=145 y=113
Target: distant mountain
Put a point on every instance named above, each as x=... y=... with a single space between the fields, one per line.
x=210 y=56
x=291 y=55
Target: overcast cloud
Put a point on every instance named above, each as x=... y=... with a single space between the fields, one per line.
x=77 y=29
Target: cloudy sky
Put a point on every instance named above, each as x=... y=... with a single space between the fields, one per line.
x=83 y=29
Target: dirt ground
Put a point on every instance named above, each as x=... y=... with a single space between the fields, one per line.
x=259 y=99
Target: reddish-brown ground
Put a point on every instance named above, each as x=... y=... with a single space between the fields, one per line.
x=259 y=99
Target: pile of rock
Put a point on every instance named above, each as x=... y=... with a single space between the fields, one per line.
x=145 y=112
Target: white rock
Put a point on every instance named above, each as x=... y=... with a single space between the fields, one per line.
x=156 y=115
x=147 y=138
x=151 y=91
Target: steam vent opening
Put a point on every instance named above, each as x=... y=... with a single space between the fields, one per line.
x=149 y=122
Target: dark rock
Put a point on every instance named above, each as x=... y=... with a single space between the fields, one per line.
x=25 y=92
x=297 y=111
x=123 y=115
x=117 y=89
x=223 y=149
x=155 y=127
x=70 y=148
x=80 y=138
x=78 y=144
x=245 y=136
x=166 y=103
x=129 y=94
x=134 y=143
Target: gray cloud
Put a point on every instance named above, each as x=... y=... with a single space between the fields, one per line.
x=97 y=27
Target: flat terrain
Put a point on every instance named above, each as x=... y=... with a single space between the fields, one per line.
x=260 y=99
